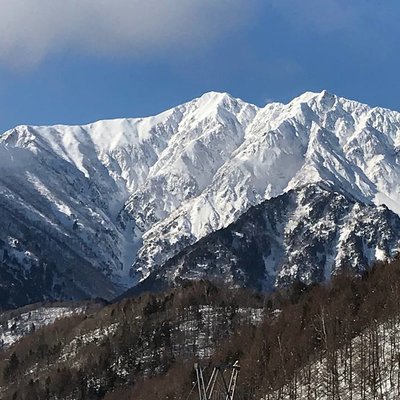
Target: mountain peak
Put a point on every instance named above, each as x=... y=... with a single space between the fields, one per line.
x=137 y=191
x=306 y=97
x=327 y=99
x=216 y=96
x=214 y=100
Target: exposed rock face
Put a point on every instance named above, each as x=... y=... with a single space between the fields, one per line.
x=92 y=210
x=303 y=235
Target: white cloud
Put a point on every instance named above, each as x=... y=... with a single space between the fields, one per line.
x=30 y=30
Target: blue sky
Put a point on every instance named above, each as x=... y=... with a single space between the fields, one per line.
x=78 y=61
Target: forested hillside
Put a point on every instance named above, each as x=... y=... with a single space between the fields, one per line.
x=332 y=341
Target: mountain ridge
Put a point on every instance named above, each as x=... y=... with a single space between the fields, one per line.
x=266 y=247
x=124 y=196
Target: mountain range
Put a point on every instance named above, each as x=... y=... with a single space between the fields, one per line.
x=216 y=187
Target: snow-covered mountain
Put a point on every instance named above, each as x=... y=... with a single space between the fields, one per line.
x=91 y=210
x=305 y=234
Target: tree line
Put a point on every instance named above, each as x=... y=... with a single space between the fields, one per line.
x=331 y=341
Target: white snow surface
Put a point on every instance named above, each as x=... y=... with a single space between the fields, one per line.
x=154 y=185
x=15 y=328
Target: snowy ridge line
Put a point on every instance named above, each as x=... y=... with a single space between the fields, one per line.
x=315 y=138
x=269 y=246
x=127 y=195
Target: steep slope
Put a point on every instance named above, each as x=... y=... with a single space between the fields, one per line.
x=92 y=210
x=67 y=232
x=306 y=235
x=315 y=138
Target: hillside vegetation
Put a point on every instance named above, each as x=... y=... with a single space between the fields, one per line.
x=332 y=341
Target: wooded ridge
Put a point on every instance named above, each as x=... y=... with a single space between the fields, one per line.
x=307 y=342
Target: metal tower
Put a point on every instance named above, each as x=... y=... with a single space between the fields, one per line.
x=218 y=387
